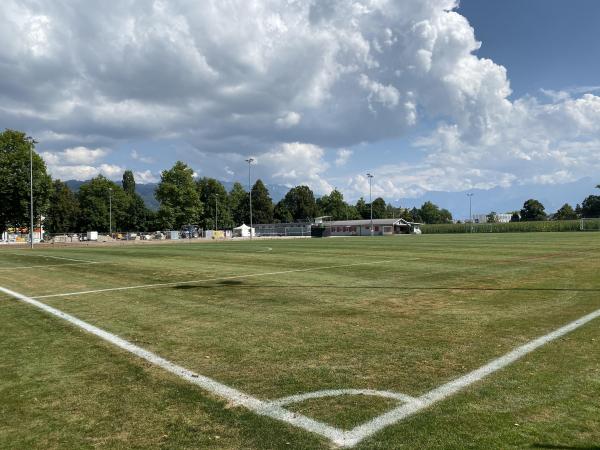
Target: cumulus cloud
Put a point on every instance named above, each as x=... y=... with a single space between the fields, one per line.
x=136 y=156
x=293 y=77
x=84 y=172
x=146 y=177
x=342 y=156
x=294 y=164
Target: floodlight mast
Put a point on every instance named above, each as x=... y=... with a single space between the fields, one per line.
x=370 y=177
x=216 y=211
x=31 y=195
x=250 y=161
x=110 y=211
x=470 y=195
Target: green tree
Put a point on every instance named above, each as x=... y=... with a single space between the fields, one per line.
x=590 y=207
x=431 y=213
x=364 y=210
x=15 y=148
x=137 y=212
x=334 y=205
x=95 y=197
x=262 y=205
x=63 y=210
x=128 y=182
x=300 y=203
x=515 y=217
x=533 y=210
x=565 y=212
x=238 y=203
x=379 y=209
x=178 y=197
x=282 y=213
x=214 y=197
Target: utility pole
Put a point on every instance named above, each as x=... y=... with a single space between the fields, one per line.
x=216 y=211
x=250 y=161
x=370 y=177
x=31 y=195
x=470 y=195
x=110 y=212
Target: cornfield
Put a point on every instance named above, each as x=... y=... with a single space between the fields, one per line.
x=514 y=227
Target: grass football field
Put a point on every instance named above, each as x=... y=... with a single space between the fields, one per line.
x=370 y=335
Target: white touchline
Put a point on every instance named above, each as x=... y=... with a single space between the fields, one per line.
x=232 y=277
x=53 y=257
x=49 y=265
x=275 y=410
x=236 y=397
x=440 y=393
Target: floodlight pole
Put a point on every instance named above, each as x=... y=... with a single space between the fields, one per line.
x=250 y=161
x=470 y=195
x=216 y=211
x=370 y=177
x=31 y=195
x=110 y=212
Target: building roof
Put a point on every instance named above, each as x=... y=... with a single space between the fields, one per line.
x=242 y=227
x=353 y=223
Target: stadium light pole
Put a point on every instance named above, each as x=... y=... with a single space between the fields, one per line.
x=250 y=161
x=110 y=211
x=470 y=195
x=31 y=195
x=370 y=177
x=216 y=211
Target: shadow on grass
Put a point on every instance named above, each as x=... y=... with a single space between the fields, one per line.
x=237 y=283
x=565 y=447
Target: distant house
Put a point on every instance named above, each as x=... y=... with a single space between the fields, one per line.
x=381 y=227
x=483 y=218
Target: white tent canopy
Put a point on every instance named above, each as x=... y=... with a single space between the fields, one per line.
x=243 y=231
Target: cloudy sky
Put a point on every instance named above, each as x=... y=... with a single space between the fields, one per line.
x=426 y=94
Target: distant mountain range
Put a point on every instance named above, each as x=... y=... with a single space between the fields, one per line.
x=500 y=200
x=146 y=191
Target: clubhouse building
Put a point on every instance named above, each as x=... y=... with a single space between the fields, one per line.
x=381 y=227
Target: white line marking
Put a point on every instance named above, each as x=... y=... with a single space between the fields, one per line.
x=367 y=429
x=238 y=398
x=49 y=265
x=298 y=398
x=267 y=249
x=176 y=283
x=274 y=410
x=53 y=257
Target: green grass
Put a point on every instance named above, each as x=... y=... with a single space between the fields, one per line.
x=433 y=308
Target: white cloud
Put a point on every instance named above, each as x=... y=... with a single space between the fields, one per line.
x=75 y=156
x=294 y=164
x=266 y=74
x=343 y=155
x=146 y=177
x=84 y=172
x=136 y=156
x=289 y=120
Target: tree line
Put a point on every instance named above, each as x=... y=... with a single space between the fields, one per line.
x=184 y=200
x=533 y=211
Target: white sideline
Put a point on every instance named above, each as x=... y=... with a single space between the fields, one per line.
x=53 y=257
x=233 y=277
x=233 y=395
x=274 y=409
x=49 y=265
x=367 y=429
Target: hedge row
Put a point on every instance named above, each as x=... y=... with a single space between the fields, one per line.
x=514 y=227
